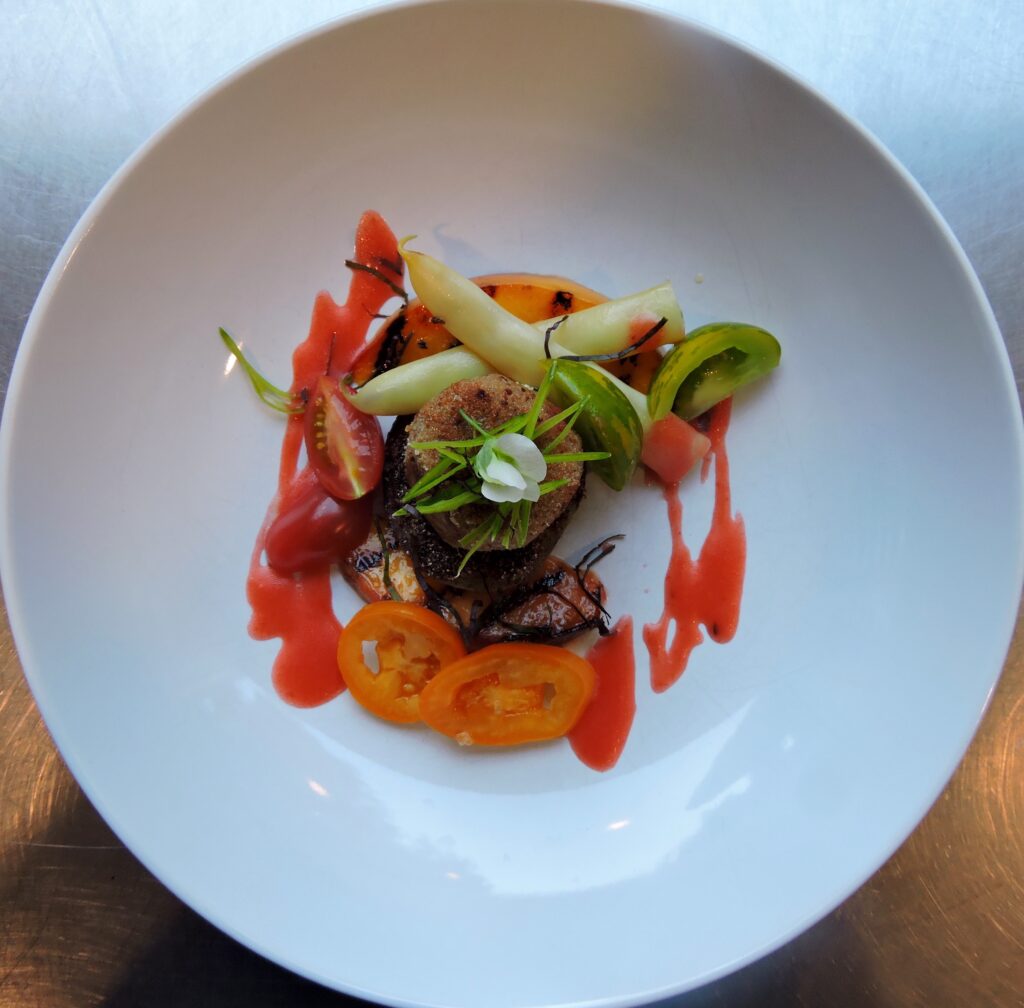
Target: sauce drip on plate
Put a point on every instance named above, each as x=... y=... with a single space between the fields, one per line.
x=600 y=734
x=705 y=591
x=298 y=608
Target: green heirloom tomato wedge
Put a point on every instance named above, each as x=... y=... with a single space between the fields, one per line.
x=607 y=421
x=709 y=366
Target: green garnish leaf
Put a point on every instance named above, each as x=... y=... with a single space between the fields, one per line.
x=275 y=398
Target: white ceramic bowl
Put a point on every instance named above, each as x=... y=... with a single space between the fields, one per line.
x=878 y=471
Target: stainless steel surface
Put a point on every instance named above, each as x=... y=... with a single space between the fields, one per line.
x=941 y=83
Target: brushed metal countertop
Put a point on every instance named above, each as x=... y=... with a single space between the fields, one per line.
x=940 y=82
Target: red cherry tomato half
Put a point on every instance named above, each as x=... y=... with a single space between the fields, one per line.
x=344 y=445
x=313 y=529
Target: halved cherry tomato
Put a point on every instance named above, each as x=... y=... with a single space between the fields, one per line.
x=506 y=694
x=312 y=529
x=672 y=447
x=408 y=644
x=344 y=445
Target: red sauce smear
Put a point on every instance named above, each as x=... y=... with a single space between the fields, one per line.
x=298 y=608
x=705 y=591
x=600 y=734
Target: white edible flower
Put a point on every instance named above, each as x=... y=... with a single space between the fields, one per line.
x=523 y=454
x=510 y=467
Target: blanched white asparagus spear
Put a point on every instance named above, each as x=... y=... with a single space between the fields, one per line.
x=406 y=388
x=604 y=328
x=509 y=345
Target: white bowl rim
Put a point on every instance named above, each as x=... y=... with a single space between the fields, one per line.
x=1007 y=619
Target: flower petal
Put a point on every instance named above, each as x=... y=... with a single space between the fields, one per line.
x=500 y=494
x=499 y=471
x=523 y=454
x=532 y=490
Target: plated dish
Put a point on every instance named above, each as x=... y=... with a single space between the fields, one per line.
x=504 y=393
x=779 y=771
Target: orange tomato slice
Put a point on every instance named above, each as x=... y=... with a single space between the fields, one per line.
x=507 y=694
x=390 y=651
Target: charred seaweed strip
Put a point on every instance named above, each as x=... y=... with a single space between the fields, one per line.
x=396 y=266
x=619 y=354
x=392 y=345
x=597 y=552
x=389 y=586
x=545 y=631
x=547 y=336
x=546 y=585
x=378 y=275
x=439 y=604
x=584 y=567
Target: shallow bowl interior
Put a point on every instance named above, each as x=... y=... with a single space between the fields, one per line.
x=878 y=474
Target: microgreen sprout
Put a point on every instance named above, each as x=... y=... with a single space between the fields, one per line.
x=275 y=398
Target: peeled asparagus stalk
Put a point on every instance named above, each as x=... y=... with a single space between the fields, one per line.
x=501 y=342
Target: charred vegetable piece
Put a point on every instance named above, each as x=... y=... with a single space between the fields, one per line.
x=379 y=569
x=709 y=366
x=561 y=604
x=638 y=370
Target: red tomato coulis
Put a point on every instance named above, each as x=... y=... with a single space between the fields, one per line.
x=599 y=736
x=298 y=608
x=705 y=591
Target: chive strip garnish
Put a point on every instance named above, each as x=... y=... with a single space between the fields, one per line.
x=567 y=415
x=530 y=427
x=487 y=529
x=593 y=456
x=442 y=504
x=432 y=478
x=548 y=485
x=483 y=432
